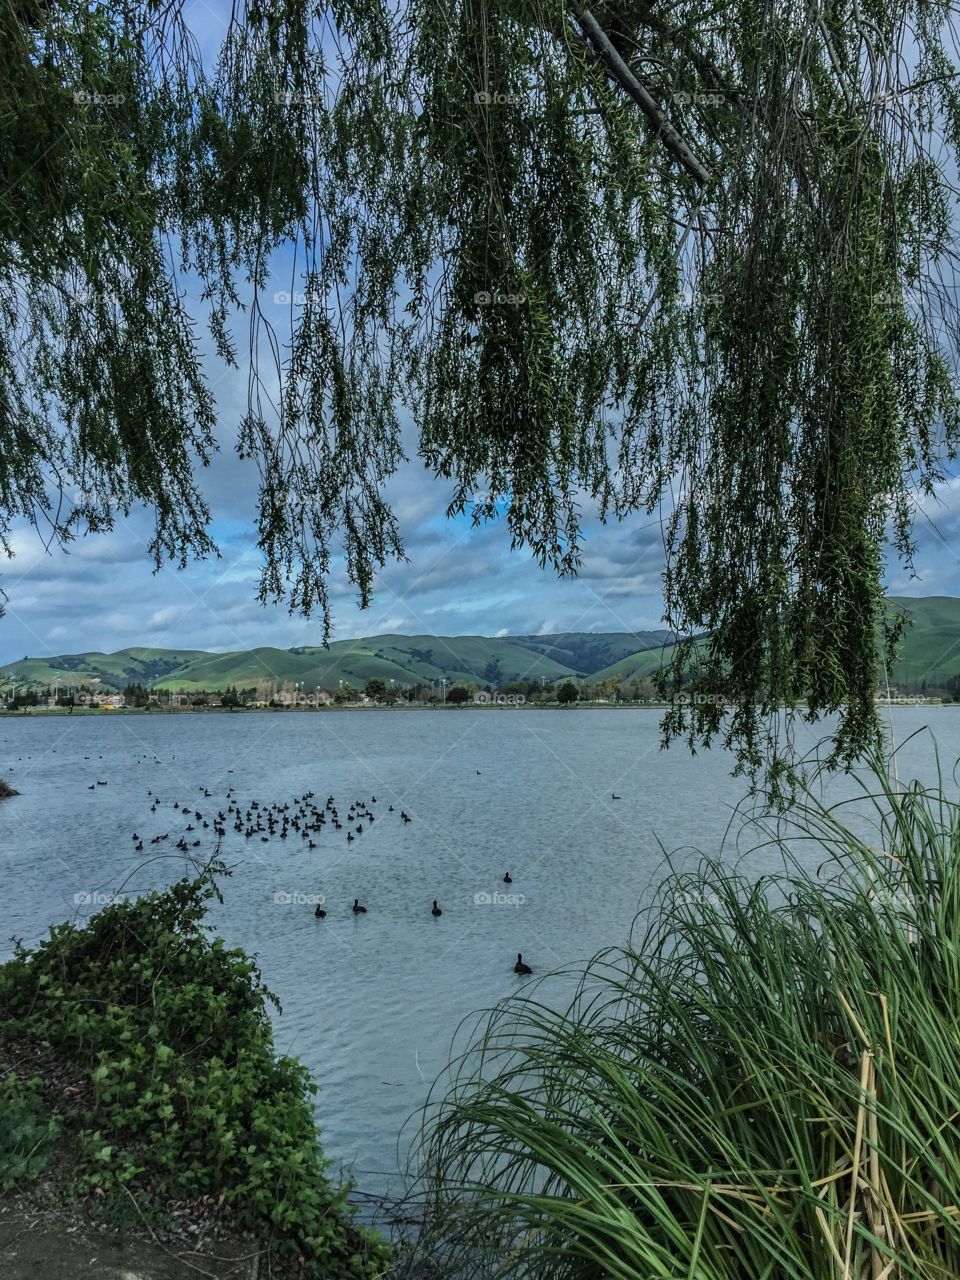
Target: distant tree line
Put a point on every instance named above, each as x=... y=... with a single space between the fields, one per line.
x=380 y=692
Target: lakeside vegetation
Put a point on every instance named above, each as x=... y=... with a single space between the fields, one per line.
x=139 y=1083
x=764 y=1084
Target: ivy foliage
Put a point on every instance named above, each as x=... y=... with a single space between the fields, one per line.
x=608 y=256
x=182 y=1093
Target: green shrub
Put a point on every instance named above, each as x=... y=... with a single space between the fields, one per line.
x=26 y=1130
x=189 y=1095
x=765 y=1087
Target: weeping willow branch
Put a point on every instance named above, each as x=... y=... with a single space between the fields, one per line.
x=621 y=73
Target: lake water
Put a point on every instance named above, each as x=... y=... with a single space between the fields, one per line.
x=371 y=1003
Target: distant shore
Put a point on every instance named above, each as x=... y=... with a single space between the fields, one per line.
x=107 y=712
x=451 y=707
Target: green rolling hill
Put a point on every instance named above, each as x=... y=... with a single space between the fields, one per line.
x=404 y=659
x=930 y=655
x=930 y=652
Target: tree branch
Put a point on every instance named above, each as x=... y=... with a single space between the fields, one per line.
x=618 y=70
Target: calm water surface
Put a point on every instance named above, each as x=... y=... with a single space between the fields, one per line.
x=371 y=1004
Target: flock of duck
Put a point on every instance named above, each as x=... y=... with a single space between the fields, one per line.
x=304 y=819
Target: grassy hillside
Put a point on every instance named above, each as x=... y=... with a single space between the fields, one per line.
x=930 y=653
x=589 y=653
x=931 y=649
x=404 y=659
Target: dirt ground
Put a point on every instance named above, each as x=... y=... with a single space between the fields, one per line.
x=39 y=1244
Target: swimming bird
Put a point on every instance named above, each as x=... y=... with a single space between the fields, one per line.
x=614 y=796
x=436 y=910
x=320 y=913
x=508 y=878
x=357 y=909
x=520 y=967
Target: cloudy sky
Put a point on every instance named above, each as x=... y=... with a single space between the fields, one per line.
x=103 y=595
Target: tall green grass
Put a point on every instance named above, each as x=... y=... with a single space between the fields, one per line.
x=765 y=1084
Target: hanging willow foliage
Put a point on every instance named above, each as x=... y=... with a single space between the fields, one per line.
x=602 y=255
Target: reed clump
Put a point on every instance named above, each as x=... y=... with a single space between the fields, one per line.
x=765 y=1085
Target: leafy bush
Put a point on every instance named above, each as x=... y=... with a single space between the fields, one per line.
x=190 y=1097
x=26 y=1131
x=766 y=1087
